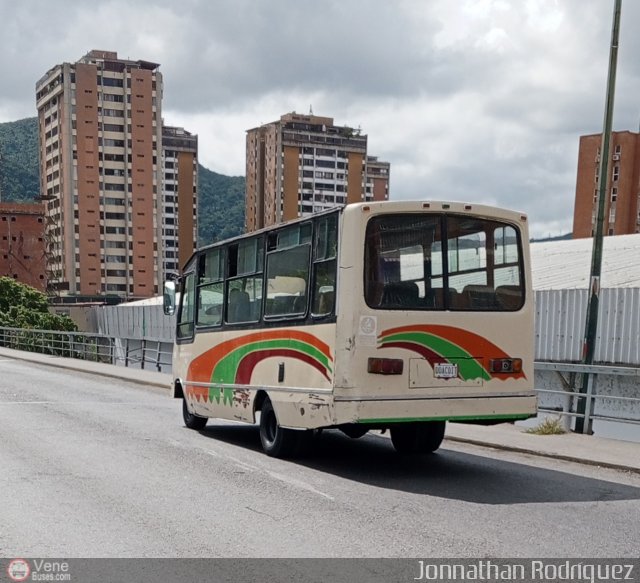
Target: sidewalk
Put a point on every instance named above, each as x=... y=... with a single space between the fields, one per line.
x=585 y=449
x=134 y=375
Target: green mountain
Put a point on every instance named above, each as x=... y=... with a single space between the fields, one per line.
x=220 y=206
x=19 y=179
x=220 y=200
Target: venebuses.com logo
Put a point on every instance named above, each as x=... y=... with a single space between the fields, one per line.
x=18 y=570
x=38 y=570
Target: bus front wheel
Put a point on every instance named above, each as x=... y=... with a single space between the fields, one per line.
x=276 y=441
x=191 y=420
x=419 y=437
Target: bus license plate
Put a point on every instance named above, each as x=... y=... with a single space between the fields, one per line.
x=445 y=371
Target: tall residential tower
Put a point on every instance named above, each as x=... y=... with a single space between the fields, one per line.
x=101 y=174
x=303 y=164
x=179 y=197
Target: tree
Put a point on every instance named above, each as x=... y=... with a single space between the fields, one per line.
x=22 y=306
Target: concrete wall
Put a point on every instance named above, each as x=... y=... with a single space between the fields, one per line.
x=605 y=386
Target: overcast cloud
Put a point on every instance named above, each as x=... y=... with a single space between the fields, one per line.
x=475 y=100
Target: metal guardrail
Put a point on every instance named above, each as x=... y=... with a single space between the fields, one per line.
x=153 y=353
x=139 y=353
x=570 y=390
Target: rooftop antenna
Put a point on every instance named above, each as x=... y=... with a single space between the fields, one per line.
x=310 y=110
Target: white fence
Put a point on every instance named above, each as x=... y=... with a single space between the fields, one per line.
x=560 y=318
x=559 y=325
x=134 y=322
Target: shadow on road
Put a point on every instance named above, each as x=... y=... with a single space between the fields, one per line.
x=446 y=474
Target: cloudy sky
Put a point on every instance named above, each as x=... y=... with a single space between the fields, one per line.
x=474 y=100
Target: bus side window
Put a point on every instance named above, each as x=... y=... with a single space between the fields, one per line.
x=324 y=266
x=287 y=277
x=210 y=288
x=186 y=315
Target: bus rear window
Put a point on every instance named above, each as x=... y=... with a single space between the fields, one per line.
x=442 y=262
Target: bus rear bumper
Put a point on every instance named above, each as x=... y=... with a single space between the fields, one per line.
x=488 y=408
x=382 y=413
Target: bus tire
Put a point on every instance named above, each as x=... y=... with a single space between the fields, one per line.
x=276 y=441
x=191 y=420
x=416 y=438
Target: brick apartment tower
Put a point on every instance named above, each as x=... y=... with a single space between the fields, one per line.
x=22 y=248
x=622 y=206
x=100 y=175
x=303 y=164
x=179 y=197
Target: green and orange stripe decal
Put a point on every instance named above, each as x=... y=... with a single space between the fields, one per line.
x=441 y=344
x=232 y=362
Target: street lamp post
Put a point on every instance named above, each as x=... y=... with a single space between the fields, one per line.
x=591 y=323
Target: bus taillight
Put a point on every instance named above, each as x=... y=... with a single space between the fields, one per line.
x=385 y=365
x=505 y=365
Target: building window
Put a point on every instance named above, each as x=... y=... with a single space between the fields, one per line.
x=616 y=173
x=614 y=194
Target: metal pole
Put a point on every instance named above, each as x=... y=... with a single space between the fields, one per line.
x=591 y=323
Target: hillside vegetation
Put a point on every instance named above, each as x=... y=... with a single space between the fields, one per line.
x=19 y=160
x=220 y=197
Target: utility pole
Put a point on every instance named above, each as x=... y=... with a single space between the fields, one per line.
x=591 y=323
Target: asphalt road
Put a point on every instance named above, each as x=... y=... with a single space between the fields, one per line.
x=97 y=467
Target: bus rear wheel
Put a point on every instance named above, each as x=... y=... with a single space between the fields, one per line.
x=419 y=437
x=276 y=441
x=191 y=420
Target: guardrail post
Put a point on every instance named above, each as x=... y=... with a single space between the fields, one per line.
x=144 y=353
x=158 y=354
x=126 y=352
x=587 y=428
x=567 y=407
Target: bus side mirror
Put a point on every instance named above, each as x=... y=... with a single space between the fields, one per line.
x=169 y=298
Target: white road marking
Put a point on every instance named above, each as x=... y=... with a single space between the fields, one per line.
x=298 y=484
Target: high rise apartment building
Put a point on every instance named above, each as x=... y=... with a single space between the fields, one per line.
x=303 y=164
x=622 y=204
x=102 y=176
x=179 y=197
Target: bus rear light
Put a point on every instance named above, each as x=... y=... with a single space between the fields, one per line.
x=505 y=365
x=385 y=366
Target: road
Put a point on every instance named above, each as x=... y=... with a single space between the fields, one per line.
x=97 y=467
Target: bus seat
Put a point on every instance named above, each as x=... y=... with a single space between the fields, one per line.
x=481 y=297
x=401 y=294
x=436 y=296
x=455 y=299
x=299 y=305
x=509 y=297
x=326 y=301
x=254 y=311
x=239 y=306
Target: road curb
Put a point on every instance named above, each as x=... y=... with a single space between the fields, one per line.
x=113 y=375
x=538 y=453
